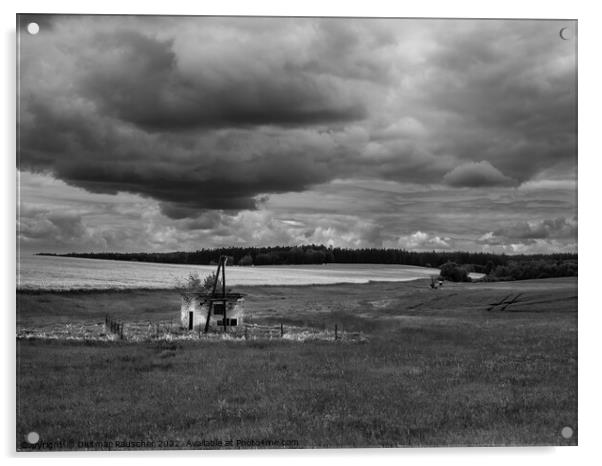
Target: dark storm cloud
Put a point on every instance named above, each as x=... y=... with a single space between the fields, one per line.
x=206 y=114
x=143 y=84
x=115 y=119
x=511 y=95
x=221 y=179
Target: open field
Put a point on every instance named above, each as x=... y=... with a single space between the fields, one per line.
x=467 y=364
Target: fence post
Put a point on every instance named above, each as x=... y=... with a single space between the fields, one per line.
x=281 y=330
x=336 y=332
x=246 y=336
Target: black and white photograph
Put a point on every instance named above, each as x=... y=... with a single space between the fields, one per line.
x=295 y=232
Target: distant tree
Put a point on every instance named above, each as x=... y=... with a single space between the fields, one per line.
x=454 y=273
x=246 y=260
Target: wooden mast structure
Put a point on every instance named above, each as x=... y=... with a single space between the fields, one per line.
x=220 y=265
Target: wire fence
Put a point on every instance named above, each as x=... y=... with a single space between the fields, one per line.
x=117 y=330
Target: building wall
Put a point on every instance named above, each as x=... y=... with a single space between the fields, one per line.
x=234 y=310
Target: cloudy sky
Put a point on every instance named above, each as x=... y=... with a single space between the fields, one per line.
x=178 y=133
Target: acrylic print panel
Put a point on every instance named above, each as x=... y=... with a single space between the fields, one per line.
x=278 y=232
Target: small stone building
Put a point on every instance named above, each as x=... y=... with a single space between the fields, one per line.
x=195 y=306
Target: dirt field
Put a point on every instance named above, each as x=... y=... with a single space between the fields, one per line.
x=467 y=364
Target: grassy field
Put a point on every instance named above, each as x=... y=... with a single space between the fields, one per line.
x=438 y=367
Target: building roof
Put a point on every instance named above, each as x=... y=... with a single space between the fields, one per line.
x=216 y=297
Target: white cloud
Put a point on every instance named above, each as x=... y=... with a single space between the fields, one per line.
x=423 y=241
x=537 y=185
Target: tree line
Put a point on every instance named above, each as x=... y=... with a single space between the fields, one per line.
x=479 y=262
x=525 y=268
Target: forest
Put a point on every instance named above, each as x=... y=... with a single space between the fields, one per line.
x=496 y=266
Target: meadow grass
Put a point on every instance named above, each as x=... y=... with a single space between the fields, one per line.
x=437 y=369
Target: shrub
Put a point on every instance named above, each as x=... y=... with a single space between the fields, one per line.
x=194 y=284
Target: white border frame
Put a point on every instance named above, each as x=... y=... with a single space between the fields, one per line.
x=589 y=170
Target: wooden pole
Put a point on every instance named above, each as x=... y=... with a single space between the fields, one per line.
x=219 y=264
x=225 y=259
x=281 y=330
x=336 y=332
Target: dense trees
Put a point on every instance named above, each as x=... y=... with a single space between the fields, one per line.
x=536 y=268
x=497 y=266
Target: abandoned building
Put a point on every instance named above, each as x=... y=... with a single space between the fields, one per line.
x=195 y=308
x=225 y=309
